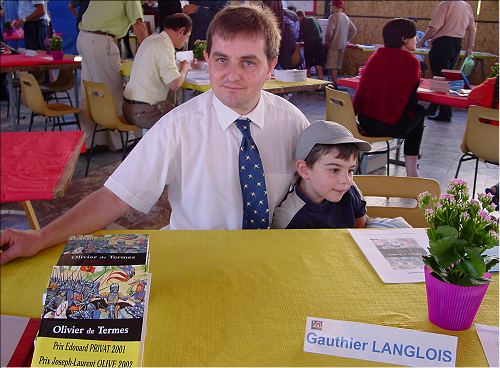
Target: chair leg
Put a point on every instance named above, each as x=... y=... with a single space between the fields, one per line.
x=475 y=178
x=31 y=123
x=388 y=157
x=69 y=98
x=91 y=150
x=124 y=146
x=77 y=122
x=18 y=105
x=459 y=165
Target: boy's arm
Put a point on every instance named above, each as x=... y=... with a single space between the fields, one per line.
x=94 y=212
x=360 y=222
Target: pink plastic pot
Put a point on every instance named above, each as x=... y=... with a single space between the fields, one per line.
x=452 y=307
x=57 y=54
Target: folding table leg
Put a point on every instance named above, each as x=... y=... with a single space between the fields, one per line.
x=30 y=214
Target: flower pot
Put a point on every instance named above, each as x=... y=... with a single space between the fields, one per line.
x=57 y=54
x=452 y=307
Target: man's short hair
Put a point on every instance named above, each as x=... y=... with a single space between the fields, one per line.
x=396 y=30
x=300 y=13
x=177 y=21
x=248 y=20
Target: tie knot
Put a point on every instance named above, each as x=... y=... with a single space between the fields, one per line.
x=243 y=126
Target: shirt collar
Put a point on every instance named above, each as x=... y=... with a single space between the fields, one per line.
x=226 y=116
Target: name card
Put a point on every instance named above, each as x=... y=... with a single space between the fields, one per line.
x=379 y=344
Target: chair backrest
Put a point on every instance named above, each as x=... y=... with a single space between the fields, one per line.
x=339 y=109
x=480 y=138
x=65 y=80
x=100 y=105
x=396 y=187
x=31 y=93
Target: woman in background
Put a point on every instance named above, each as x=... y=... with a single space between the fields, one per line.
x=386 y=98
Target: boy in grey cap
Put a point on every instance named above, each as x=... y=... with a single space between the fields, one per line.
x=323 y=194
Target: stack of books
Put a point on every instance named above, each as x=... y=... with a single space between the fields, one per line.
x=440 y=84
x=290 y=75
x=95 y=304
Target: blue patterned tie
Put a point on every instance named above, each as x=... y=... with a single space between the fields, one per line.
x=252 y=181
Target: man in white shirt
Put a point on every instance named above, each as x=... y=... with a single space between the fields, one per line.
x=155 y=72
x=195 y=148
x=34 y=19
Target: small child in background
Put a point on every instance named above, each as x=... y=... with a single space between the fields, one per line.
x=324 y=195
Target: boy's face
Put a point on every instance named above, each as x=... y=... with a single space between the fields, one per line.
x=329 y=177
x=238 y=69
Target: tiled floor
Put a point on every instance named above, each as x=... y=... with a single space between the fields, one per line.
x=440 y=153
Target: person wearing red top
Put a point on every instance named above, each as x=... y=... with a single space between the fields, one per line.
x=386 y=98
x=486 y=95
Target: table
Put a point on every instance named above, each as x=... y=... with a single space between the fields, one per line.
x=241 y=298
x=273 y=85
x=12 y=63
x=478 y=55
x=37 y=166
x=423 y=93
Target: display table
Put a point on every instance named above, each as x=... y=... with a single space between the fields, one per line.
x=37 y=166
x=241 y=298
x=12 y=63
x=423 y=93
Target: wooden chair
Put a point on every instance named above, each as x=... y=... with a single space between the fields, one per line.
x=480 y=140
x=33 y=99
x=392 y=187
x=101 y=110
x=339 y=109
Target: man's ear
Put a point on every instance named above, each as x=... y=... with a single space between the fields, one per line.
x=272 y=64
x=302 y=169
x=205 y=54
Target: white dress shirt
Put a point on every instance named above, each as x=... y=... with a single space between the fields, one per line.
x=194 y=151
x=153 y=69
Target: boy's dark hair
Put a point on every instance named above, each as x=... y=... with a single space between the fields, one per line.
x=249 y=20
x=345 y=151
x=396 y=30
x=177 y=21
x=292 y=8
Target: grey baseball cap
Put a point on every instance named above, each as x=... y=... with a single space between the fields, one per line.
x=326 y=132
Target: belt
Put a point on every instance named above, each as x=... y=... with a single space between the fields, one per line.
x=102 y=33
x=133 y=102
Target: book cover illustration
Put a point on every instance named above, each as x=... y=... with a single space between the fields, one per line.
x=96 y=302
x=106 y=250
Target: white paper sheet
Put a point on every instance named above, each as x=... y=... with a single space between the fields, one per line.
x=395 y=254
x=488 y=335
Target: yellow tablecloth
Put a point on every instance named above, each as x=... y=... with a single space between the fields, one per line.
x=241 y=298
x=273 y=86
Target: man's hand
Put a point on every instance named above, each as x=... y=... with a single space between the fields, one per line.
x=19 y=243
x=190 y=9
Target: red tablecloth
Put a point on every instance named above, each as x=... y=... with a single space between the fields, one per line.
x=423 y=93
x=31 y=163
x=23 y=60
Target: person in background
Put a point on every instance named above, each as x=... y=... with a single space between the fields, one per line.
x=386 y=97
x=449 y=23
x=291 y=28
x=339 y=31
x=420 y=58
x=323 y=195
x=155 y=72
x=168 y=7
x=225 y=156
x=310 y=33
x=33 y=17
x=102 y=24
x=82 y=5
x=201 y=12
x=486 y=95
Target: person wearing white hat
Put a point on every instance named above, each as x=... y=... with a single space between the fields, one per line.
x=323 y=193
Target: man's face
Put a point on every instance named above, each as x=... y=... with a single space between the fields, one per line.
x=238 y=68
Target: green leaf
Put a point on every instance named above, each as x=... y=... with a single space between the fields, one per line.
x=443 y=251
x=447 y=231
x=473 y=266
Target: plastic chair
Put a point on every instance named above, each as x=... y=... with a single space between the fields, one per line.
x=65 y=81
x=480 y=140
x=101 y=110
x=339 y=109
x=397 y=187
x=33 y=99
